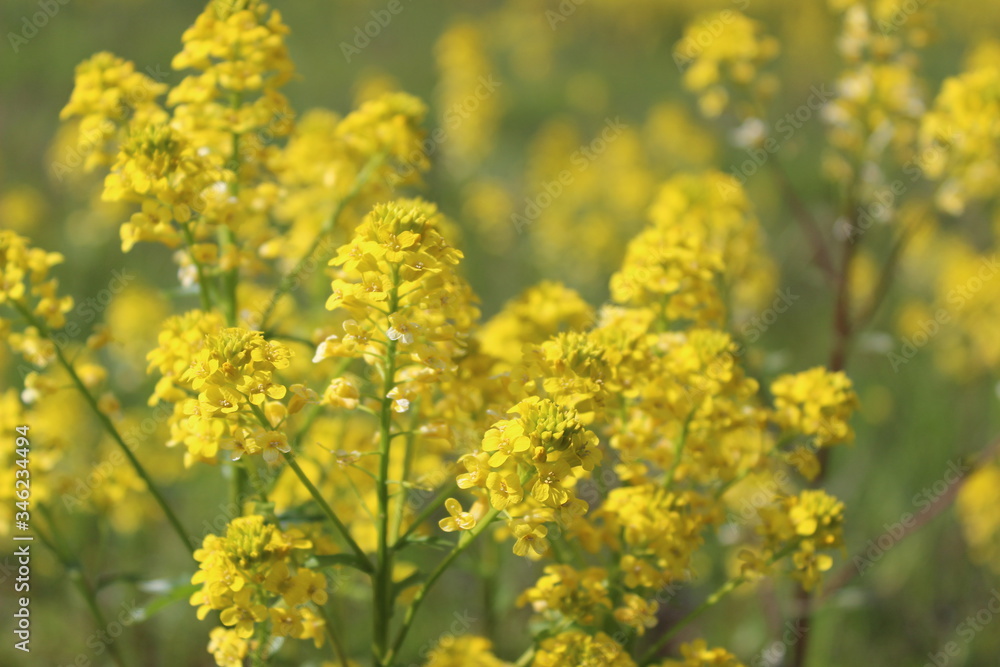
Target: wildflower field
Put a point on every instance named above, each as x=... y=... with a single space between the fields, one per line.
x=502 y=333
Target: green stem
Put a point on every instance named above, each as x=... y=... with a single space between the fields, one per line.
x=75 y=572
x=382 y=594
x=206 y=300
x=81 y=583
x=678 y=451
x=408 y=452
x=230 y=279
x=330 y=514
x=428 y=509
x=709 y=602
x=713 y=599
x=259 y=657
x=335 y=641
x=291 y=278
x=464 y=542
x=109 y=426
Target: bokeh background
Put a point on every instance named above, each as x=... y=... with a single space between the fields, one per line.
x=559 y=87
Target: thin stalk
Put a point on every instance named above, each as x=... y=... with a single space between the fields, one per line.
x=290 y=279
x=408 y=452
x=806 y=220
x=651 y=653
x=422 y=516
x=678 y=452
x=75 y=572
x=109 y=427
x=330 y=514
x=418 y=599
x=87 y=591
x=843 y=330
x=335 y=641
x=317 y=496
x=382 y=593
x=259 y=657
x=206 y=299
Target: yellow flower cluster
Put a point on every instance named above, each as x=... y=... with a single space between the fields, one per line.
x=721 y=53
x=528 y=467
x=583 y=650
x=953 y=313
x=704 y=239
x=239 y=47
x=466 y=96
x=573 y=594
x=325 y=161
x=225 y=388
x=464 y=651
x=658 y=532
x=879 y=97
x=397 y=281
x=817 y=404
x=159 y=168
x=253 y=575
x=977 y=504
x=25 y=285
x=961 y=140
x=534 y=316
x=697 y=654
x=567 y=208
x=808 y=523
x=181 y=337
x=108 y=94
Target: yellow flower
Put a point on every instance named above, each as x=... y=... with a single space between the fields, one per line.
x=271 y=443
x=531 y=540
x=243 y=614
x=505 y=489
x=286 y=622
x=505 y=439
x=221 y=399
x=816 y=403
x=458 y=520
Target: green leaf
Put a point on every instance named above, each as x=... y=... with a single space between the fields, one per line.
x=432 y=541
x=161 y=602
x=349 y=560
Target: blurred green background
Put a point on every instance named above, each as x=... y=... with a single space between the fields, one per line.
x=608 y=59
